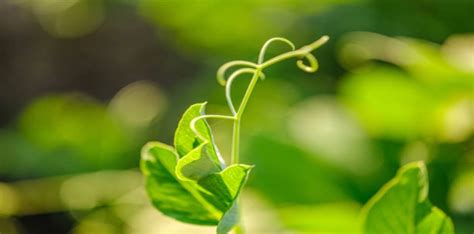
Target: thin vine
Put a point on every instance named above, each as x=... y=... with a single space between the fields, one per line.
x=256 y=69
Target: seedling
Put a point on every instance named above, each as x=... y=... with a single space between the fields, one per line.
x=191 y=182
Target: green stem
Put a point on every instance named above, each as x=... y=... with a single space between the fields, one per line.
x=236 y=136
x=235 y=142
x=304 y=53
x=238 y=116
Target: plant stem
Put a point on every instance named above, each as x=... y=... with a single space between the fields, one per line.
x=235 y=142
x=256 y=69
x=239 y=229
x=238 y=115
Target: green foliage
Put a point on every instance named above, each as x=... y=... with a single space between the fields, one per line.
x=388 y=103
x=412 y=97
x=41 y=123
x=401 y=99
x=65 y=133
x=186 y=141
x=402 y=206
x=238 y=32
x=321 y=182
x=337 y=217
x=191 y=182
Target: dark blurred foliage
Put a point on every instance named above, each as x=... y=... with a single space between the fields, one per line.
x=124 y=50
x=85 y=83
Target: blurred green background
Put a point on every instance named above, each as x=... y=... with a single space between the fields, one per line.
x=85 y=83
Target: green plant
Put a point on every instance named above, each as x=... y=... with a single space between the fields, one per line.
x=191 y=181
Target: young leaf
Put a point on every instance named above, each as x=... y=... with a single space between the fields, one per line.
x=402 y=206
x=193 y=187
x=177 y=199
x=185 y=140
x=196 y=164
x=223 y=188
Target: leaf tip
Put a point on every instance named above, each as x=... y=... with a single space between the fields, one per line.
x=145 y=155
x=145 y=151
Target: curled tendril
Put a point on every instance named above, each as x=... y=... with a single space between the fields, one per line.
x=203 y=139
x=303 y=55
x=194 y=121
x=222 y=70
x=313 y=63
x=261 y=56
x=228 y=86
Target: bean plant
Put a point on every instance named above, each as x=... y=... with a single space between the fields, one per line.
x=192 y=183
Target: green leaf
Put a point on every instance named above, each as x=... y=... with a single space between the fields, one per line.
x=196 y=164
x=223 y=188
x=189 y=183
x=402 y=206
x=185 y=139
x=199 y=202
x=233 y=178
x=175 y=198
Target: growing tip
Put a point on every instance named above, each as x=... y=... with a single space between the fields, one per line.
x=321 y=41
x=316 y=44
x=324 y=38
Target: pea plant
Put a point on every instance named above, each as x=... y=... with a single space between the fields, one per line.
x=192 y=183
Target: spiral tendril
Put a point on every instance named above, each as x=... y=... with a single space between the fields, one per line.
x=256 y=69
x=313 y=63
x=194 y=122
x=228 y=86
x=222 y=70
x=261 y=56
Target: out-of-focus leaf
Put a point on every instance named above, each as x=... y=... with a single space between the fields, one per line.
x=282 y=170
x=459 y=51
x=232 y=24
x=67 y=126
x=423 y=59
x=402 y=206
x=17 y=155
x=340 y=217
x=461 y=194
x=138 y=105
x=411 y=103
x=320 y=125
x=388 y=103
